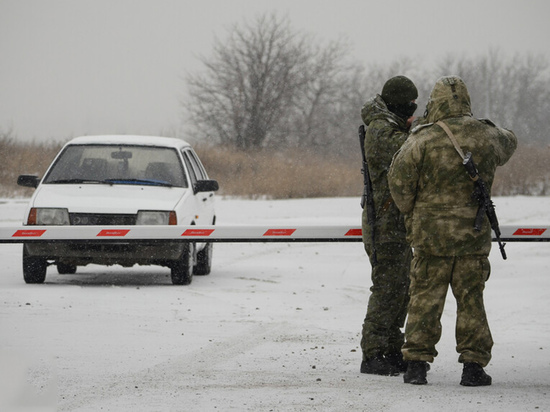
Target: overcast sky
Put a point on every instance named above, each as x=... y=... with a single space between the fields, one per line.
x=73 y=67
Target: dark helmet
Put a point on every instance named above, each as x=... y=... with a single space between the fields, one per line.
x=399 y=90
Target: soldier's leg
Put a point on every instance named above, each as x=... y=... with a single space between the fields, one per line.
x=396 y=337
x=473 y=337
x=387 y=304
x=430 y=278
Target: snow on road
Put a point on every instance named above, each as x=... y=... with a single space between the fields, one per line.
x=274 y=327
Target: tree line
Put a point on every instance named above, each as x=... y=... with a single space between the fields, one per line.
x=269 y=86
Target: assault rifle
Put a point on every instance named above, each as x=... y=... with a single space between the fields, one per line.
x=367 y=199
x=486 y=206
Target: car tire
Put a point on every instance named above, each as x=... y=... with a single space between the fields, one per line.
x=182 y=269
x=64 y=269
x=34 y=268
x=204 y=261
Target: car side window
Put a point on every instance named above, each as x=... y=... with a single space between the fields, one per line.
x=190 y=169
x=198 y=165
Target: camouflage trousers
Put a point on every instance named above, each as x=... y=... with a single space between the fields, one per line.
x=430 y=279
x=387 y=306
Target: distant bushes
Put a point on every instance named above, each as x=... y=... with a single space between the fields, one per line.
x=527 y=173
x=297 y=173
x=275 y=174
x=18 y=158
x=283 y=174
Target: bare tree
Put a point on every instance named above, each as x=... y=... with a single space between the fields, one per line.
x=269 y=86
x=316 y=101
x=528 y=98
x=249 y=83
x=510 y=91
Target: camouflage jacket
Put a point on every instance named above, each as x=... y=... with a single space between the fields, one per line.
x=430 y=184
x=385 y=133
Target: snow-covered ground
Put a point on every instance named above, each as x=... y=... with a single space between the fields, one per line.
x=274 y=327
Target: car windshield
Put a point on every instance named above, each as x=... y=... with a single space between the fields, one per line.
x=118 y=164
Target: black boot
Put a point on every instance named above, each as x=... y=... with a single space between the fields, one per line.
x=474 y=375
x=378 y=365
x=396 y=360
x=416 y=373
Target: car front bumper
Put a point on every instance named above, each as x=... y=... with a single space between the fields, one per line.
x=103 y=253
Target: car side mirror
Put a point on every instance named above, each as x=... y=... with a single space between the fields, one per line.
x=206 y=186
x=28 y=181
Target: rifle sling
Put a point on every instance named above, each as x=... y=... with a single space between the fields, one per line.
x=452 y=138
x=444 y=126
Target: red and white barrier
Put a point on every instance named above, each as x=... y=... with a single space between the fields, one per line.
x=24 y=234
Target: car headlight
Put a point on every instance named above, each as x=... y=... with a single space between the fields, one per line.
x=48 y=216
x=149 y=217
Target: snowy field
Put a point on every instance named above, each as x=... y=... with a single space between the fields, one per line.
x=274 y=327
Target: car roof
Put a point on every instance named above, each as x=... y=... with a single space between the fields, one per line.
x=131 y=140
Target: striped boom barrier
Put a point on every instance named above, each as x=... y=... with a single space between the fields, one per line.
x=242 y=233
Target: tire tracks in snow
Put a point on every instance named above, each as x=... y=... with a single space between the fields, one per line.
x=171 y=376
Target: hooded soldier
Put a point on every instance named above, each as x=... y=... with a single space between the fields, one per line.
x=430 y=185
x=387 y=117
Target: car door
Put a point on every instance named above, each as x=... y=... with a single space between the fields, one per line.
x=204 y=200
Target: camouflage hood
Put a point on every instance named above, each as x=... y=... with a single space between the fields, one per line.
x=449 y=98
x=376 y=109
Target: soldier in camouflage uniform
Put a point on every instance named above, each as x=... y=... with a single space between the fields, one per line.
x=387 y=117
x=430 y=185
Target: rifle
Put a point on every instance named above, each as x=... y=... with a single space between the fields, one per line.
x=367 y=199
x=486 y=206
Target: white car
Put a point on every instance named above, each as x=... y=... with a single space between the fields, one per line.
x=121 y=180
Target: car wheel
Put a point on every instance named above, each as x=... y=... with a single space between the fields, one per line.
x=182 y=269
x=34 y=268
x=64 y=269
x=204 y=261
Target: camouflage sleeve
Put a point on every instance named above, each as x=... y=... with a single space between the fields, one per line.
x=404 y=175
x=508 y=142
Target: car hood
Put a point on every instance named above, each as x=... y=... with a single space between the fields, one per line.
x=94 y=198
